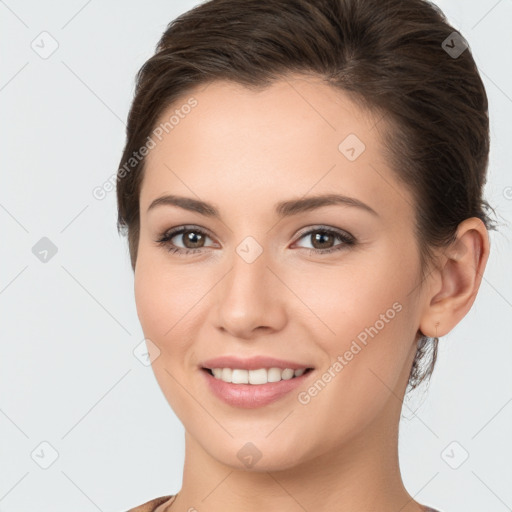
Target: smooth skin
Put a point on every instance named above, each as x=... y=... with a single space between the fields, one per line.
x=243 y=151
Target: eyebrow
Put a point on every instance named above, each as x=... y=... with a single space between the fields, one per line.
x=282 y=209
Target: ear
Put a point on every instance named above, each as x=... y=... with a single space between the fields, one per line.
x=458 y=279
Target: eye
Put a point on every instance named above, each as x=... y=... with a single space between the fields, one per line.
x=192 y=237
x=323 y=237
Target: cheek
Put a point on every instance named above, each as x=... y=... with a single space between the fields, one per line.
x=155 y=285
x=367 y=351
x=365 y=315
x=148 y=299
x=170 y=307
x=163 y=295
x=165 y=310
x=349 y=297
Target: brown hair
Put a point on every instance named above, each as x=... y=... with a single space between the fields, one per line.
x=391 y=56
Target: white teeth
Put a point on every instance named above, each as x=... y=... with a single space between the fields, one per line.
x=259 y=376
x=274 y=374
x=287 y=374
x=226 y=374
x=240 y=377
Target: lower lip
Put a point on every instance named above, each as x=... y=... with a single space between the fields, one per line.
x=251 y=396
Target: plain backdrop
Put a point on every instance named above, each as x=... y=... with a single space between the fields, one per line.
x=83 y=423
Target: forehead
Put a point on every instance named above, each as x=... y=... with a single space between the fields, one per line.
x=295 y=136
x=296 y=108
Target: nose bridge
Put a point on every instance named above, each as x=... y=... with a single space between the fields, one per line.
x=248 y=277
x=248 y=298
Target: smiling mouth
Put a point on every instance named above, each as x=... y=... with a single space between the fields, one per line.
x=256 y=377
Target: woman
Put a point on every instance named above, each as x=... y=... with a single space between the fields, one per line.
x=301 y=188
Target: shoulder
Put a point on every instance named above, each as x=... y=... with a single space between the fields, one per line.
x=151 y=505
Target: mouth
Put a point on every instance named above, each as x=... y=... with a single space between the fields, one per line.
x=254 y=388
x=256 y=377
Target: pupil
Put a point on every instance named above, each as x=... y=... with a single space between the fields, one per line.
x=192 y=237
x=319 y=237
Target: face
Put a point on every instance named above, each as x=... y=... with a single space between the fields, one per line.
x=331 y=286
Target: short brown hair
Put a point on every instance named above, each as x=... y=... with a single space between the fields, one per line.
x=390 y=56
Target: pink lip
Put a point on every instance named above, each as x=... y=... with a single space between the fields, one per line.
x=250 y=396
x=252 y=363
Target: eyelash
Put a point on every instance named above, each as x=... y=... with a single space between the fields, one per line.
x=164 y=240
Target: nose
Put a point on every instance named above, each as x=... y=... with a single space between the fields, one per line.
x=250 y=299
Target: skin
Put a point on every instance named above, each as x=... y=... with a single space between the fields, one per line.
x=243 y=151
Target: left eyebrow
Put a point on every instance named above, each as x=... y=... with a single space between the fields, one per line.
x=282 y=209
x=295 y=206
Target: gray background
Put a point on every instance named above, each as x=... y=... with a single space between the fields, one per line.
x=68 y=374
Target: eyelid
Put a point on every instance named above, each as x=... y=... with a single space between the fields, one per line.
x=328 y=229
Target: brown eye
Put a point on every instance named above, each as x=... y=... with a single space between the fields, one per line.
x=323 y=240
x=183 y=240
x=194 y=238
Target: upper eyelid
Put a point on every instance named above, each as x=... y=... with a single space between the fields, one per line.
x=179 y=230
x=322 y=227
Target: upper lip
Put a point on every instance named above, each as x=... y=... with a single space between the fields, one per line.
x=252 y=363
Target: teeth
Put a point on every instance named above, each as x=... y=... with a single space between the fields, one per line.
x=259 y=376
x=240 y=377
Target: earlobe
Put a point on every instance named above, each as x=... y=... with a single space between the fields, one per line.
x=457 y=280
